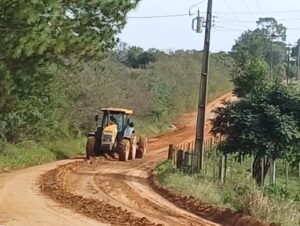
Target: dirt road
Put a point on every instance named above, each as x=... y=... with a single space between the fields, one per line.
x=122 y=185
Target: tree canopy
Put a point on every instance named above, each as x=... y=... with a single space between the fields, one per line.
x=265 y=121
x=258 y=52
x=40 y=40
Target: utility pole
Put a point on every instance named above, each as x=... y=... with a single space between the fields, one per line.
x=273 y=36
x=203 y=88
x=272 y=58
x=288 y=67
x=298 y=60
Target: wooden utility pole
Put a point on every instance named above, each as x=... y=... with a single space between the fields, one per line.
x=273 y=36
x=298 y=60
x=272 y=58
x=203 y=88
x=288 y=67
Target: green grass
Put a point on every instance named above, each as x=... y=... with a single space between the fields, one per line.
x=239 y=193
x=29 y=153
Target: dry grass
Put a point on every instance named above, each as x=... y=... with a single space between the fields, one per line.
x=240 y=194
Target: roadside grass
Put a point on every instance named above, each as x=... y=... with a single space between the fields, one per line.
x=29 y=153
x=239 y=193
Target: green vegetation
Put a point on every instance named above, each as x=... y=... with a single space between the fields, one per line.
x=265 y=121
x=30 y=153
x=258 y=129
x=239 y=193
x=52 y=84
x=264 y=124
x=157 y=94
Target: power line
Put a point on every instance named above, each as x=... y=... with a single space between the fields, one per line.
x=201 y=2
x=259 y=7
x=236 y=25
x=232 y=12
x=266 y=12
x=220 y=12
x=229 y=30
x=160 y=16
x=251 y=21
x=248 y=8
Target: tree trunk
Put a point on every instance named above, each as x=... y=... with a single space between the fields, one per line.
x=257 y=170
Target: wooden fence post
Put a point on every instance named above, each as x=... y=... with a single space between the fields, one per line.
x=225 y=168
x=175 y=149
x=179 y=159
x=251 y=167
x=214 y=164
x=189 y=147
x=170 y=152
x=286 y=173
x=272 y=172
x=299 y=172
x=221 y=168
x=262 y=166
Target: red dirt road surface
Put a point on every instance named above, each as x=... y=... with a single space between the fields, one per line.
x=101 y=192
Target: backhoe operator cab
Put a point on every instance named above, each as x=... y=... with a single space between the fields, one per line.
x=115 y=136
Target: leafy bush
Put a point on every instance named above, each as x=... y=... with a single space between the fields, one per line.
x=281 y=193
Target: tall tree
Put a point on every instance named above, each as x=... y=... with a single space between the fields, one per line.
x=37 y=39
x=270 y=26
x=264 y=124
x=254 y=51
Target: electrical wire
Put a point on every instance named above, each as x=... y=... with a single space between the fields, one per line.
x=259 y=8
x=225 y=19
x=201 y=2
x=217 y=12
x=232 y=12
x=266 y=12
x=160 y=16
x=248 y=8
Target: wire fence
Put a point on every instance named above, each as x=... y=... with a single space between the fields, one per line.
x=220 y=167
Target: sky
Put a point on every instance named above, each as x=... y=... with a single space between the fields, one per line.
x=231 y=18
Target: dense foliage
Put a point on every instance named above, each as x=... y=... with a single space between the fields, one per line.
x=265 y=121
x=40 y=41
x=265 y=124
x=157 y=93
x=57 y=68
x=257 y=53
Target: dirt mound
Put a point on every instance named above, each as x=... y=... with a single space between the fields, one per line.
x=53 y=184
x=209 y=212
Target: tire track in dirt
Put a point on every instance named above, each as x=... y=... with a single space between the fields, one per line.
x=101 y=193
x=53 y=183
x=127 y=186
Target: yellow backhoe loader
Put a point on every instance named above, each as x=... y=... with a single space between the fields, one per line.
x=115 y=136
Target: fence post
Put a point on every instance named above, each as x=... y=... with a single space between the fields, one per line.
x=175 y=149
x=189 y=146
x=221 y=168
x=214 y=164
x=225 y=169
x=251 y=167
x=286 y=173
x=272 y=173
x=179 y=159
x=170 y=152
x=299 y=172
x=262 y=166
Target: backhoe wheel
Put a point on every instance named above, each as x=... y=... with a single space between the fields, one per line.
x=133 y=148
x=124 y=150
x=142 y=147
x=90 y=147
